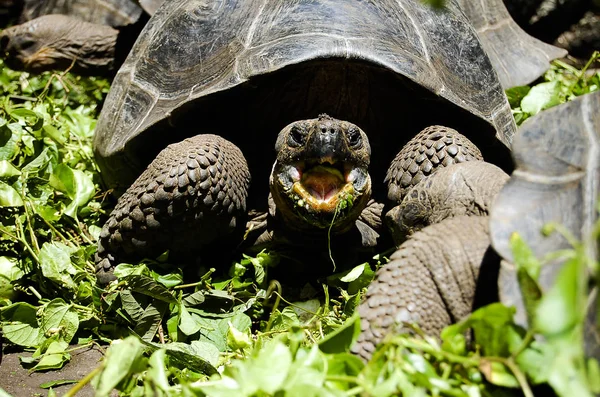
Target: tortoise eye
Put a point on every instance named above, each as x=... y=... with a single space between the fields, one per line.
x=297 y=137
x=354 y=138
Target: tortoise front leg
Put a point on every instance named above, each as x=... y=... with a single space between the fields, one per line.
x=193 y=194
x=431 y=279
x=431 y=149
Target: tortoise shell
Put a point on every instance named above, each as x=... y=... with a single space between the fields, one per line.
x=245 y=69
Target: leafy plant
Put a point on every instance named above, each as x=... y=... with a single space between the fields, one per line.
x=562 y=83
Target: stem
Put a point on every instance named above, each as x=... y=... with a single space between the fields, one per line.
x=335 y=214
x=30 y=223
x=526 y=341
x=202 y=280
x=272 y=286
x=342 y=378
x=34 y=291
x=56 y=231
x=81 y=384
x=581 y=76
x=466 y=361
x=89 y=344
x=83 y=308
x=20 y=240
x=510 y=364
x=355 y=391
x=161 y=334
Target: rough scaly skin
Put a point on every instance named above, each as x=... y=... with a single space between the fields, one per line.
x=430 y=280
x=460 y=189
x=434 y=147
x=57 y=42
x=191 y=195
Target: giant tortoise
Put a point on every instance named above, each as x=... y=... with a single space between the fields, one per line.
x=89 y=36
x=53 y=42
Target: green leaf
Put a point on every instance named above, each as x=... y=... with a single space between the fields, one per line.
x=198 y=356
x=32 y=119
x=7 y=170
x=4 y=393
x=9 y=197
x=533 y=361
x=561 y=307
x=237 y=340
x=594 y=374
x=54 y=133
x=123 y=270
x=340 y=340
x=215 y=330
x=60 y=318
x=516 y=94
x=9 y=272
x=131 y=305
x=188 y=323
x=354 y=273
x=490 y=325
x=541 y=96
x=344 y=365
x=305 y=311
x=56 y=265
x=9 y=141
x=307 y=371
x=497 y=374
x=270 y=368
x=147 y=286
x=524 y=257
x=195 y=299
x=54 y=357
x=39 y=163
x=20 y=325
x=170 y=280
x=148 y=323
x=157 y=373
x=123 y=359
x=56 y=383
x=76 y=184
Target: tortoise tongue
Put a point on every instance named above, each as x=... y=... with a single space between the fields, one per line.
x=323 y=182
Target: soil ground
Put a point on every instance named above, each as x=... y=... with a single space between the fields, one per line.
x=18 y=382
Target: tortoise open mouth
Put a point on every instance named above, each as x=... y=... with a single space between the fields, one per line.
x=316 y=189
x=323 y=183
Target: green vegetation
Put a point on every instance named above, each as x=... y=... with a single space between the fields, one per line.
x=561 y=83
x=236 y=335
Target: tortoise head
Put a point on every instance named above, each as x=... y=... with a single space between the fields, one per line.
x=320 y=179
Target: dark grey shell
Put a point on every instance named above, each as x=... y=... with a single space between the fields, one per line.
x=557 y=156
x=244 y=69
x=115 y=13
x=518 y=57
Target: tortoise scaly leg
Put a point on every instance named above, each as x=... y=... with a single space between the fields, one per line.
x=193 y=194
x=431 y=149
x=432 y=278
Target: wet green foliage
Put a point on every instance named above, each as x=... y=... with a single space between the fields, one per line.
x=236 y=334
x=561 y=83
